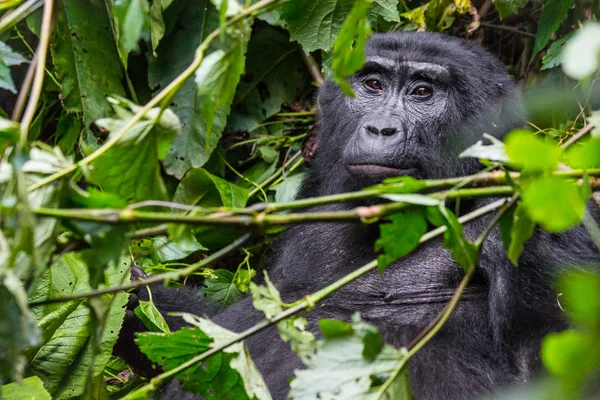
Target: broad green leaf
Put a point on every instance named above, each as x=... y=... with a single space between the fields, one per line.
x=349 y=47
x=552 y=58
x=131 y=19
x=68 y=326
x=581 y=56
x=552 y=17
x=68 y=131
x=581 y=297
x=416 y=16
x=150 y=316
x=315 y=24
x=174 y=54
x=292 y=330
x=200 y=187
x=332 y=328
x=275 y=75
x=8 y=58
x=216 y=81
x=229 y=374
x=515 y=228
x=400 y=236
x=463 y=251
x=554 y=203
x=531 y=153
x=387 y=9
x=586 y=155
x=352 y=365
x=287 y=189
x=130 y=168
x=507 y=8
x=492 y=152
x=570 y=356
x=85 y=58
x=29 y=388
x=162 y=250
x=157 y=22
x=222 y=289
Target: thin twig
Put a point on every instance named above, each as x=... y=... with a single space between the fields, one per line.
x=25 y=87
x=508 y=29
x=577 y=136
x=38 y=80
x=12 y=18
x=313 y=68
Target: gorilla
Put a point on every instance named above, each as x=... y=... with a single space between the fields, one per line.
x=420 y=99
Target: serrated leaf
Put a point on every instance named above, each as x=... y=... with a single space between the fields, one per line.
x=400 y=236
x=552 y=17
x=200 y=187
x=552 y=58
x=387 y=9
x=531 y=153
x=581 y=56
x=222 y=289
x=67 y=326
x=554 y=203
x=229 y=374
x=30 y=388
x=86 y=60
x=507 y=8
x=349 y=47
x=345 y=366
x=315 y=24
x=131 y=168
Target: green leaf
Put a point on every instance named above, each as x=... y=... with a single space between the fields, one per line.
x=581 y=297
x=315 y=24
x=401 y=236
x=332 y=328
x=131 y=168
x=417 y=199
x=552 y=58
x=222 y=289
x=349 y=366
x=463 y=251
x=287 y=189
x=554 y=203
x=150 y=316
x=157 y=22
x=387 y=9
x=507 y=8
x=86 y=60
x=200 y=187
x=492 y=152
x=586 y=155
x=581 y=56
x=8 y=58
x=531 y=153
x=400 y=184
x=69 y=326
x=552 y=17
x=68 y=131
x=571 y=355
x=163 y=250
x=131 y=21
x=274 y=76
x=515 y=228
x=349 y=47
x=29 y=388
x=229 y=374
x=9 y=132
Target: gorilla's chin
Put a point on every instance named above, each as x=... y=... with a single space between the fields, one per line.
x=371 y=174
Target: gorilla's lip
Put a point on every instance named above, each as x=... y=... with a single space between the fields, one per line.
x=378 y=170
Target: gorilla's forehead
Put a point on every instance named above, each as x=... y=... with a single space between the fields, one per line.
x=400 y=64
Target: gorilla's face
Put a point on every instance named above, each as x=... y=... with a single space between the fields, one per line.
x=421 y=99
x=398 y=103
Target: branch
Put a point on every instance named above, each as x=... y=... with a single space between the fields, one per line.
x=308 y=302
x=38 y=80
x=168 y=276
x=166 y=93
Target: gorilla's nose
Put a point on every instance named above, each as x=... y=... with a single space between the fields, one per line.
x=381 y=126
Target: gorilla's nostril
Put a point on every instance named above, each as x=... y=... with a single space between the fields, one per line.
x=372 y=129
x=388 y=131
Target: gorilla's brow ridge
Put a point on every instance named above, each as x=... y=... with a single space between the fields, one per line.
x=427 y=69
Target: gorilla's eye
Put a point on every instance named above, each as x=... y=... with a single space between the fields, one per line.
x=373 y=84
x=422 y=91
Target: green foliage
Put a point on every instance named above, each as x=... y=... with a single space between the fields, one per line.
x=586 y=155
x=222 y=288
x=531 y=153
x=581 y=56
x=400 y=236
x=506 y=8
x=349 y=47
x=150 y=316
x=515 y=228
x=553 y=15
x=8 y=58
x=351 y=361
x=229 y=374
x=29 y=388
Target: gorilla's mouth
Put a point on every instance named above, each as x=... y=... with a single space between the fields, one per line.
x=377 y=171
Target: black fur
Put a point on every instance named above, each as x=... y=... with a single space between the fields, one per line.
x=493 y=337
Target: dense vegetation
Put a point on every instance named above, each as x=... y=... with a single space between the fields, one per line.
x=159 y=133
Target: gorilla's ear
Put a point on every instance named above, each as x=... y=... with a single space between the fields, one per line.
x=309 y=146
